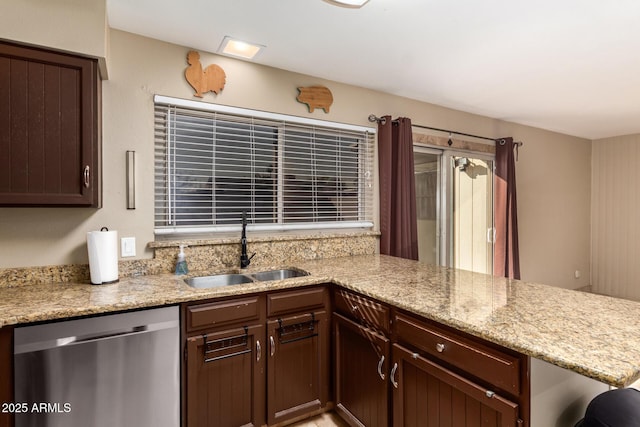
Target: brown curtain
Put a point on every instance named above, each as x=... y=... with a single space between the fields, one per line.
x=398 y=226
x=506 y=257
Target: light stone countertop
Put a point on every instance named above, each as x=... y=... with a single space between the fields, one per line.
x=594 y=335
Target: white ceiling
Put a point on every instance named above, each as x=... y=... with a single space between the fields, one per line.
x=571 y=66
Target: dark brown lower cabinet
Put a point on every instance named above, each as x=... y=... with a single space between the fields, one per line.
x=426 y=394
x=271 y=371
x=6 y=373
x=226 y=378
x=362 y=358
x=297 y=367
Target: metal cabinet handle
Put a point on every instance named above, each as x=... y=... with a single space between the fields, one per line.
x=258 y=351
x=272 y=342
x=440 y=347
x=393 y=375
x=380 y=367
x=354 y=308
x=86 y=175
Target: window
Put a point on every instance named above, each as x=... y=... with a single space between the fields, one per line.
x=213 y=162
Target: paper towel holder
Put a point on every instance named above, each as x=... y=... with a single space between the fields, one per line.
x=131 y=179
x=103 y=256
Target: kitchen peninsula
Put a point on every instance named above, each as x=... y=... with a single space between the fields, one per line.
x=592 y=335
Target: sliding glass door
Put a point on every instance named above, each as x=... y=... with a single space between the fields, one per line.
x=427 y=169
x=454 y=192
x=471 y=215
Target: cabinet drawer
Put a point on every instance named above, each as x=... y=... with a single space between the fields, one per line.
x=424 y=390
x=497 y=368
x=224 y=312
x=363 y=309
x=296 y=301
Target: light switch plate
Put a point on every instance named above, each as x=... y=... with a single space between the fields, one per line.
x=127 y=246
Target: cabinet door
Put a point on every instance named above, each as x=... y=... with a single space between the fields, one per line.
x=427 y=395
x=298 y=348
x=226 y=378
x=361 y=373
x=49 y=128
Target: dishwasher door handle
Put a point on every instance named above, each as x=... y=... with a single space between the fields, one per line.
x=94 y=337
x=100 y=337
x=130 y=331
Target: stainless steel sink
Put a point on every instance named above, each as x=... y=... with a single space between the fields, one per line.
x=285 y=273
x=218 y=280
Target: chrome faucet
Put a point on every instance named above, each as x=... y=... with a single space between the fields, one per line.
x=244 y=259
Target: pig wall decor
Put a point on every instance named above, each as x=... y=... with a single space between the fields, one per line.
x=315 y=97
x=211 y=79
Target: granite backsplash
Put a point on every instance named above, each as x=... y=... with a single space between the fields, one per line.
x=210 y=255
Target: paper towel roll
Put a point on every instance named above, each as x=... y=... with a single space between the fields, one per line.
x=103 y=256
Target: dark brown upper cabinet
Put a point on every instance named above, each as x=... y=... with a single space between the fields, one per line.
x=49 y=128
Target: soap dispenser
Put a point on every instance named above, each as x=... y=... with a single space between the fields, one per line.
x=181 y=265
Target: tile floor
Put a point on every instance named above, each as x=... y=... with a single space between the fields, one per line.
x=324 y=420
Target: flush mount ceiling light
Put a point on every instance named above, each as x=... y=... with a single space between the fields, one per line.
x=239 y=48
x=354 y=4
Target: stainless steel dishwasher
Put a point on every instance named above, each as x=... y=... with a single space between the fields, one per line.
x=114 y=370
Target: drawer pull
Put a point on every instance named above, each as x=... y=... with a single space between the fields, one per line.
x=393 y=375
x=414 y=356
x=354 y=308
x=258 y=351
x=440 y=347
x=490 y=394
x=380 y=367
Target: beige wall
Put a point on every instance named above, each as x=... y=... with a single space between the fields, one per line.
x=78 y=26
x=553 y=169
x=615 y=208
x=553 y=181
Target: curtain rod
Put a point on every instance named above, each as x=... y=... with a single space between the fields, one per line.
x=374 y=118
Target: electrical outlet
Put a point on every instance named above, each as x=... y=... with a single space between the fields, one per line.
x=128 y=246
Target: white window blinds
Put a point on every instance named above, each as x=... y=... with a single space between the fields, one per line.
x=213 y=162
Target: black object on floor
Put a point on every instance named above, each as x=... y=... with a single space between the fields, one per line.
x=613 y=408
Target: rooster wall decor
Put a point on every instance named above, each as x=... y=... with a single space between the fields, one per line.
x=211 y=78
